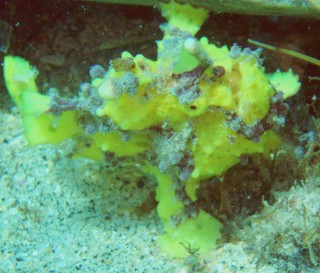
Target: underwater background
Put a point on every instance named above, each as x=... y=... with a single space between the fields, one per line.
x=60 y=214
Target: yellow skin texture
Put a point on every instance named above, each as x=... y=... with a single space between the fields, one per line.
x=244 y=89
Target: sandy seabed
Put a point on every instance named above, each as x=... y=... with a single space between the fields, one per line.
x=62 y=215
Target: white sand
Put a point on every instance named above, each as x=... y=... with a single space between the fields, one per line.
x=62 y=215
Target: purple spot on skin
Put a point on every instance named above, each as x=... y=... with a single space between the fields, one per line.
x=97 y=71
x=185 y=174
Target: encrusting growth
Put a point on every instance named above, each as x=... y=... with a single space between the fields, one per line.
x=185 y=117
